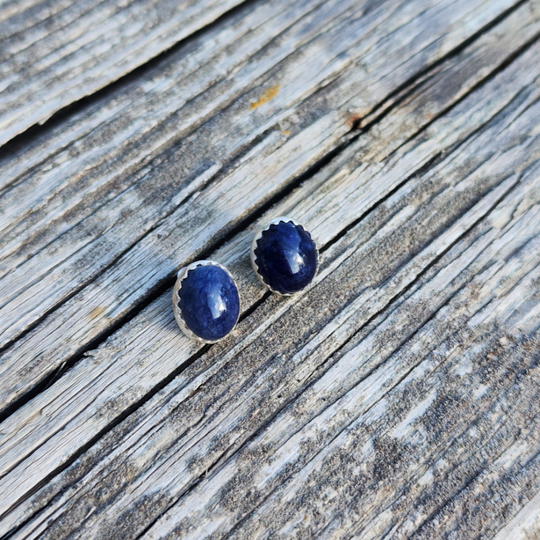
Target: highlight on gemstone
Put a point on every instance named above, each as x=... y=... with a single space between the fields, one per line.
x=208 y=302
x=285 y=256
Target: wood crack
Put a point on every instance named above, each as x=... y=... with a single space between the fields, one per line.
x=429 y=257
x=160 y=287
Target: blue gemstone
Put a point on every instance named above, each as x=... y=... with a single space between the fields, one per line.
x=209 y=302
x=286 y=257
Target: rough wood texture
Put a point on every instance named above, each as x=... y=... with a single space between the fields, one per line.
x=104 y=224
x=397 y=398
x=53 y=53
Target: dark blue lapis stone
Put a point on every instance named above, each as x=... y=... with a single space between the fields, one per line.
x=209 y=302
x=286 y=257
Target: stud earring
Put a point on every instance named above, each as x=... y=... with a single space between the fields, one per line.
x=206 y=302
x=284 y=256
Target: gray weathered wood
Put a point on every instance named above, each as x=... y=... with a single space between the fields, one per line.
x=55 y=53
x=98 y=267
x=525 y=525
x=396 y=398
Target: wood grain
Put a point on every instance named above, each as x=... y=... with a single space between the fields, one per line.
x=55 y=53
x=397 y=397
x=99 y=267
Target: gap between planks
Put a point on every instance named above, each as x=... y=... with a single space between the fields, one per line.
x=93 y=342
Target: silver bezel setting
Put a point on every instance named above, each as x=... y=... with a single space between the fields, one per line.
x=258 y=236
x=182 y=274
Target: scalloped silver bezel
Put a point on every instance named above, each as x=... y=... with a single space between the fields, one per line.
x=258 y=236
x=182 y=274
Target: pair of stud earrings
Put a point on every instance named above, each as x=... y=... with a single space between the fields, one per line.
x=206 y=302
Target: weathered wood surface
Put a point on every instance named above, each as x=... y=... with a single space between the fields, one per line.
x=53 y=53
x=397 y=398
x=100 y=236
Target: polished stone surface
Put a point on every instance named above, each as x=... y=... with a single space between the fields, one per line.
x=209 y=302
x=286 y=257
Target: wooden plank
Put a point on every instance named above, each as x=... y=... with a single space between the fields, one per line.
x=144 y=239
x=376 y=436
x=55 y=53
x=191 y=175
x=226 y=395
x=525 y=525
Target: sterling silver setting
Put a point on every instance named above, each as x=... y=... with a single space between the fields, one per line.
x=182 y=274
x=258 y=236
